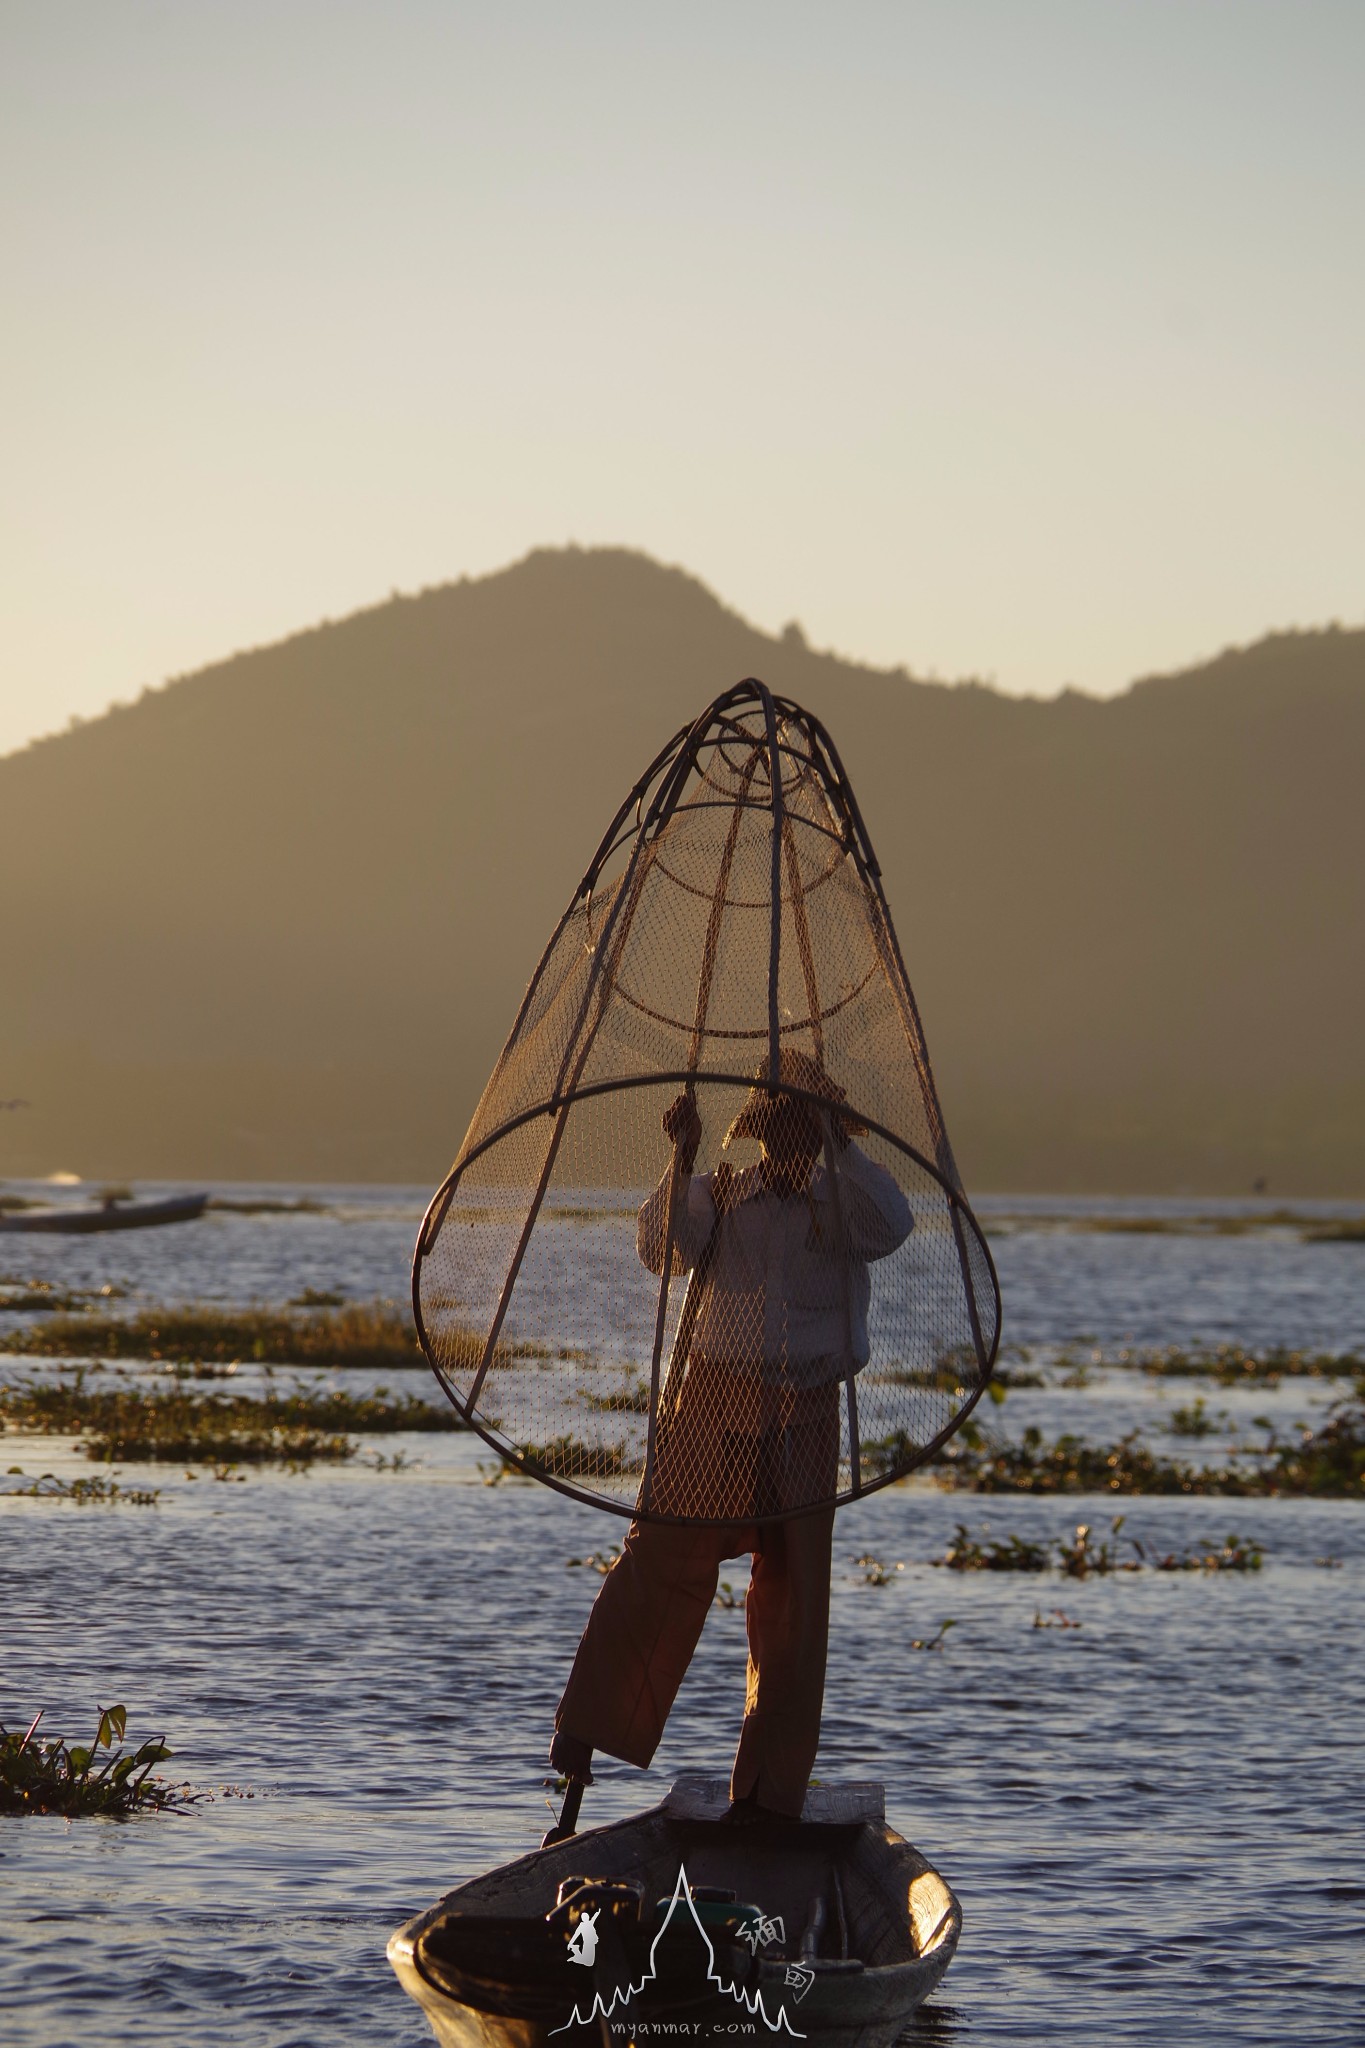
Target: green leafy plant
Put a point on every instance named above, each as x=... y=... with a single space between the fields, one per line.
x=1083 y=1558
x=398 y=1461
x=1192 y=1420
x=48 y=1776
x=936 y=1640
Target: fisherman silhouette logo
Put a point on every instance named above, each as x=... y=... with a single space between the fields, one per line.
x=583 y=1943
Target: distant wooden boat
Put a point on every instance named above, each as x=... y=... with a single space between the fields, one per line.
x=112 y=1215
x=831 y=1928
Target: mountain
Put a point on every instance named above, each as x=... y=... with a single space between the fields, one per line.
x=273 y=920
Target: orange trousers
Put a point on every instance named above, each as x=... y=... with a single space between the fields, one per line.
x=645 y=1625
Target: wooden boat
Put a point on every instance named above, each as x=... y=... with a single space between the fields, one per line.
x=831 y=1928
x=111 y=1215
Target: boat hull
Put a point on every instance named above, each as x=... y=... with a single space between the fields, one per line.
x=487 y=1975
x=108 y=1216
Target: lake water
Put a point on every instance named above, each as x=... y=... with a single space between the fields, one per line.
x=1155 y=1820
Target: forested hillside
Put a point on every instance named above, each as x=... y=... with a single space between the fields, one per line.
x=274 y=919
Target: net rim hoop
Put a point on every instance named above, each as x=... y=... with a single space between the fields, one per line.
x=510 y=1454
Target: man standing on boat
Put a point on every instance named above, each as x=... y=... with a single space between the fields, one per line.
x=774 y=1323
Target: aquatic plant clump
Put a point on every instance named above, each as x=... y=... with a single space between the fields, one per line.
x=1327 y=1463
x=1234 y=1554
x=1311 y=1229
x=175 y=1426
x=1082 y=1556
x=874 y=1571
x=1232 y=1365
x=1328 y=1460
x=600 y=1561
x=373 y=1334
x=1069 y=1465
x=1194 y=1419
x=84 y=1492
x=44 y=1297
x=568 y=1457
x=1002 y=1554
x=1350 y=1231
x=50 y=1776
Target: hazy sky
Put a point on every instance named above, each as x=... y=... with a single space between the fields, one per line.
x=1007 y=337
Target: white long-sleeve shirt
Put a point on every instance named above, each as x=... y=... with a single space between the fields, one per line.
x=779 y=1295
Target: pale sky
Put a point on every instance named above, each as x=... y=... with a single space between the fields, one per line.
x=1015 y=338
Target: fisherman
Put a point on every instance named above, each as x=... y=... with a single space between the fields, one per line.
x=778 y=1261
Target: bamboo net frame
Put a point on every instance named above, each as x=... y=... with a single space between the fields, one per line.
x=623 y=1311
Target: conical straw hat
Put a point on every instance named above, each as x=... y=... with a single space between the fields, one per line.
x=799 y=1071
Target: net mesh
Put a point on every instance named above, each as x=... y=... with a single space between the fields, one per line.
x=704 y=1254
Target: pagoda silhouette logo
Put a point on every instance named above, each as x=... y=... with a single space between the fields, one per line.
x=583 y=1948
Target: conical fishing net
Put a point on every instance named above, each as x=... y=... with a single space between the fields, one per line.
x=704 y=1255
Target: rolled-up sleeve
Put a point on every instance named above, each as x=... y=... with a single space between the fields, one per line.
x=877 y=1216
x=692 y=1221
